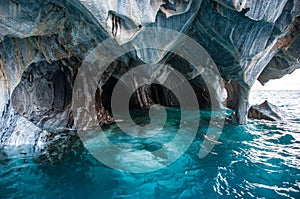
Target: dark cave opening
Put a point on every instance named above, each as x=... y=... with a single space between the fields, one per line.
x=148 y=95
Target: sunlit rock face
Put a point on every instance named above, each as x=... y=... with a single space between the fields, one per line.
x=43 y=44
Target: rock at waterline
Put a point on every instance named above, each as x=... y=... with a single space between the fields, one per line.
x=266 y=111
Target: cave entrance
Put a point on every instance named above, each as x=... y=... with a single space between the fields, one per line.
x=152 y=94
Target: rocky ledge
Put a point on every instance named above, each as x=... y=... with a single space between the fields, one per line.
x=44 y=42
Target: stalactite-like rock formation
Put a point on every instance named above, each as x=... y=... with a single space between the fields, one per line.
x=43 y=43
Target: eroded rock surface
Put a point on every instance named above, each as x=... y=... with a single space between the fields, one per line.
x=43 y=44
x=43 y=96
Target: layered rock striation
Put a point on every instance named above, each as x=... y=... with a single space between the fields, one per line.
x=43 y=44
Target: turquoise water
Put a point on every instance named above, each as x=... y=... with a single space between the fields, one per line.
x=260 y=159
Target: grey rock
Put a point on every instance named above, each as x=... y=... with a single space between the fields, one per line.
x=43 y=43
x=266 y=111
x=44 y=96
x=26 y=133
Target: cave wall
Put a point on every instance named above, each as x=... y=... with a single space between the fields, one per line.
x=43 y=44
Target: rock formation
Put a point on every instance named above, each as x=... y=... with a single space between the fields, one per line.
x=43 y=44
x=266 y=111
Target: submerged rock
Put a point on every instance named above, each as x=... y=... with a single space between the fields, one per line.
x=266 y=111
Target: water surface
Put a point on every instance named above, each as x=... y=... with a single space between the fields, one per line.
x=260 y=159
